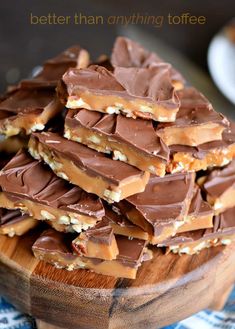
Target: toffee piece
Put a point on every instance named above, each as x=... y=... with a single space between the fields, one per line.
x=25 y=111
x=212 y=154
x=91 y=170
x=222 y=233
x=128 y=53
x=219 y=186
x=129 y=140
x=12 y=222
x=31 y=186
x=55 y=248
x=97 y=242
x=135 y=92
x=163 y=206
x=54 y=68
x=196 y=121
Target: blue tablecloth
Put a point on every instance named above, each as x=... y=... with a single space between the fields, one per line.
x=10 y=318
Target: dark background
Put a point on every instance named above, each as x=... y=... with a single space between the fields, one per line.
x=23 y=46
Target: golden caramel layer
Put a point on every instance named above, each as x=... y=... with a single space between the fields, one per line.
x=115 y=104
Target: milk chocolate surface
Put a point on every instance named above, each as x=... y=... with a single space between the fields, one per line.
x=92 y=162
x=124 y=130
x=131 y=251
x=25 y=178
x=102 y=233
x=198 y=206
x=164 y=201
x=53 y=241
x=128 y=53
x=11 y=216
x=22 y=102
x=218 y=181
x=195 y=109
x=53 y=69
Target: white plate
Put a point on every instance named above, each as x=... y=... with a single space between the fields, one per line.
x=221 y=62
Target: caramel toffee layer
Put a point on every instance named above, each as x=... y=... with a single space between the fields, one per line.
x=222 y=232
x=55 y=247
x=32 y=187
x=12 y=222
x=163 y=206
x=97 y=242
x=121 y=136
x=211 y=154
x=135 y=92
x=128 y=53
x=219 y=186
x=92 y=171
x=54 y=68
x=196 y=121
x=27 y=110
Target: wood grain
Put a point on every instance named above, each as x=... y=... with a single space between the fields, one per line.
x=167 y=289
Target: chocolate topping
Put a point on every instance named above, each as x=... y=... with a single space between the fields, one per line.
x=123 y=129
x=131 y=251
x=224 y=225
x=198 y=206
x=218 y=181
x=95 y=163
x=26 y=178
x=52 y=241
x=54 y=68
x=128 y=53
x=102 y=233
x=195 y=109
x=152 y=84
x=164 y=200
x=23 y=102
x=11 y=216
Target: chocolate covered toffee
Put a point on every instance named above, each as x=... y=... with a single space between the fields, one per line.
x=163 y=206
x=212 y=154
x=136 y=92
x=121 y=136
x=219 y=186
x=30 y=186
x=91 y=170
x=128 y=53
x=27 y=110
x=12 y=222
x=196 y=122
x=55 y=248
x=97 y=242
x=222 y=233
x=53 y=69
x=132 y=107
